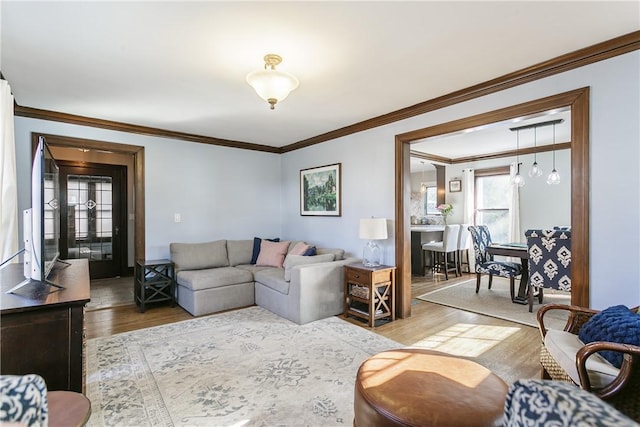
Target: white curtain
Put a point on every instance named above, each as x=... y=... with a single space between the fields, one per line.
x=514 y=210
x=468 y=209
x=8 y=183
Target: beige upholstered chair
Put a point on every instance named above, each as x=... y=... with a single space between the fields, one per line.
x=565 y=358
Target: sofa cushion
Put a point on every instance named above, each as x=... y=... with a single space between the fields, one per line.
x=293 y=260
x=339 y=253
x=272 y=253
x=616 y=324
x=194 y=256
x=273 y=278
x=239 y=251
x=257 y=241
x=213 y=278
x=252 y=268
x=564 y=346
x=311 y=251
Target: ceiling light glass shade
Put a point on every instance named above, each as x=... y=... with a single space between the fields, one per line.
x=535 y=170
x=553 y=178
x=270 y=84
x=423 y=188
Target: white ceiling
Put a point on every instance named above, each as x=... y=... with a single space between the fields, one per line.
x=181 y=66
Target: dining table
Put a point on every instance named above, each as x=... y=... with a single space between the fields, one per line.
x=515 y=250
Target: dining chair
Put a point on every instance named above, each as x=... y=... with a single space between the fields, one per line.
x=485 y=264
x=549 y=261
x=448 y=245
x=463 y=247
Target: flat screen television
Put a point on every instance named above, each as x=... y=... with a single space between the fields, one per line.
x=42 y=221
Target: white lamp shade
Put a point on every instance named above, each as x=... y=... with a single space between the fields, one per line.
x=272 y=84
x=373 y=228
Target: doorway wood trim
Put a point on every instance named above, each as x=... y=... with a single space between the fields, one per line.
x=138 y=176
x=578 y=101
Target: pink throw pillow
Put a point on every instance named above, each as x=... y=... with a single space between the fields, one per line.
x=272 y=253
x=299 y=249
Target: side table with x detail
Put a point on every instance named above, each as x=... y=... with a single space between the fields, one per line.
x=154 y=282
x=369 y=292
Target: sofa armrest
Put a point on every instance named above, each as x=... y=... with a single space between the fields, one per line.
x=319 y=289
x=578 y=316
x=626 y=374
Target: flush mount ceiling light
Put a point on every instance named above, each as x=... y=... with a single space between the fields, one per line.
x=270 y=84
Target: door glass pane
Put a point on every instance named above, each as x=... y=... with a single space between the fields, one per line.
x=90 y=213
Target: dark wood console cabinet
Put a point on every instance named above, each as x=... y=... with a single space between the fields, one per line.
x=42 y=328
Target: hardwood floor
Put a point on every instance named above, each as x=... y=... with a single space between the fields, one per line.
x=509 y=349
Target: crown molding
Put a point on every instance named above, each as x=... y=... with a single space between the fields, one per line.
x=54 y=116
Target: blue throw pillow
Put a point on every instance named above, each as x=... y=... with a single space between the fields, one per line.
x=257 y=241
x=615 y=324
x=310 y=252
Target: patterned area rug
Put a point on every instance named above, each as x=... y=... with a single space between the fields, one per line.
x=242 y=368
x=496 y=302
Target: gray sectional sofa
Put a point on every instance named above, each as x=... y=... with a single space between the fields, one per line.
x=216 y=276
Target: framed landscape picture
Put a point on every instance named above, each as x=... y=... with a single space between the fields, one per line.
x=320 y=191
x=455 y=185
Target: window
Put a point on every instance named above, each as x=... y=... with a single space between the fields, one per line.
x=431 y=201
x=493 y=200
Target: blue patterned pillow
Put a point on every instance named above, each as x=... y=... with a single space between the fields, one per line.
x=615 y=324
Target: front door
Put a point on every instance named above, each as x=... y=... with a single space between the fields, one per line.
x=93 y=216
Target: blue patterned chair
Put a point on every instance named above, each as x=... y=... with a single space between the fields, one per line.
x=542 y=403
x=484 y=261
x=549 y=261
x=23 y=400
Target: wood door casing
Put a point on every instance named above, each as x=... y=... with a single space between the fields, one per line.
x=578 y=101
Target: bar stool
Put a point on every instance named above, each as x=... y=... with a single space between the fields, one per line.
x=463 y=247
x=448 y=245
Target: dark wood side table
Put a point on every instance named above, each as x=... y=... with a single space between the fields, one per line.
x=155 y=282
x=369 y=292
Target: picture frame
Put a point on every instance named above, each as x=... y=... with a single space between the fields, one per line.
x=455 y=185
x=320 y=191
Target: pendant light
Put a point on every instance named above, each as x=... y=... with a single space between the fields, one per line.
x=423 y=185
x=518 y=179
x=554 y=176
x=535 y=170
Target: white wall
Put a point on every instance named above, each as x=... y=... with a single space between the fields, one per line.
x=229 y=193
x=221 y=193
x=541 y=205
x=368 y=172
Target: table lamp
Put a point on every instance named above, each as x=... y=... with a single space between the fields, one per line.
x=372 y=229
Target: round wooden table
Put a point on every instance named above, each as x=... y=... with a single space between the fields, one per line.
x=68 y=409
x=413 y=387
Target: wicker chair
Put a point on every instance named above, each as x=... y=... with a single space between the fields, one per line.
x=618 y=387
